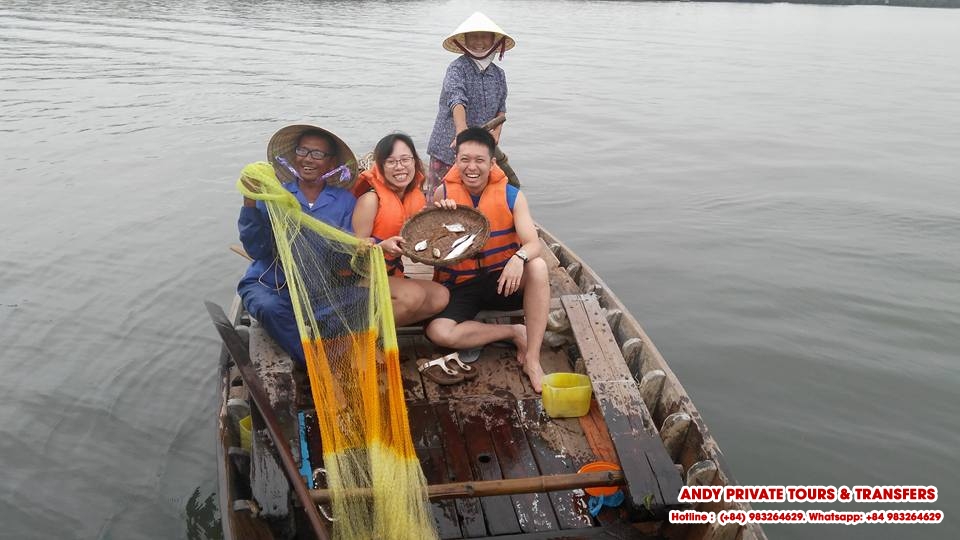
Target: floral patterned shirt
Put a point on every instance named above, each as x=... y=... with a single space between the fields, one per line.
x=483 y=93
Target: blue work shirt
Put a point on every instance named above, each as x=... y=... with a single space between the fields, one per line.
x=333 y=206
x=482 y=93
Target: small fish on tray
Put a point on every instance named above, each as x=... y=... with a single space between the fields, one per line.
x=463 y=246
x=460 y=240
x=454 y=227
x=421 y=245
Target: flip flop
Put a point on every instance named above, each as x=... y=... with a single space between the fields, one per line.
x=437 y=371
x=467 y=372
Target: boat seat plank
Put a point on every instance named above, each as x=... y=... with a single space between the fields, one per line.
x=561 y=283
x=276 y=372
x=416 y=270
x=428 y=443
x=559 y=447
x=652 y=479
x=534 y=510
x=268 y=485
x=598 y=347
x=498 y=511
x=469 y=510
x=548 y=255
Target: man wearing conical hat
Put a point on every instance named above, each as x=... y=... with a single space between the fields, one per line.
x=474 y=90
x=313 y=164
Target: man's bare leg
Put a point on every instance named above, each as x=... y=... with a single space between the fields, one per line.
x=414 y=302
x=471 y=334
x=536 y=305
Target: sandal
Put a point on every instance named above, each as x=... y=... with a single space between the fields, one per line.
x=437 y=371
x=469 y=373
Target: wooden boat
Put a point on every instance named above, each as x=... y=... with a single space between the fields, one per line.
x=491 y=437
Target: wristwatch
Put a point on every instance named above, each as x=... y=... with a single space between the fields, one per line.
x=522 y=255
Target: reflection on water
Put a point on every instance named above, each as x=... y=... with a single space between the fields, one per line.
x=770 y=188
x=203 y=517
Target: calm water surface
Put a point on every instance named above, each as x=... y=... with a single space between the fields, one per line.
x=772 y=189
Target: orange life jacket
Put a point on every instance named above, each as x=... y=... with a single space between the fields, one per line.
x=392 y=212
x=503 y=242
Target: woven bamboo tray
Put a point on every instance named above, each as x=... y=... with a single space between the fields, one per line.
x=428 y=225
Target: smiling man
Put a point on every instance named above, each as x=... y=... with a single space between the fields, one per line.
x=507 y=274
x=307 y=160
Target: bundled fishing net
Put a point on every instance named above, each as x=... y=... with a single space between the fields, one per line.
x=341 y=299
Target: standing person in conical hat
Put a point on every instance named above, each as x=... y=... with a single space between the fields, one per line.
x=474 y=92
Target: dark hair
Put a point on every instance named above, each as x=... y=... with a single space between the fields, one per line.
x=321 y=134
x=385 y=147
x=479 y=135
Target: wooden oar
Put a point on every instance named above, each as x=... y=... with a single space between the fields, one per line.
x=241 y=357
x=238 y=249
x=484 y=488
x=494 y=122
x=502 y=159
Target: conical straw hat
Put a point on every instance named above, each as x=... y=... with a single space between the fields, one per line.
x=478 y=22
x=283 y=143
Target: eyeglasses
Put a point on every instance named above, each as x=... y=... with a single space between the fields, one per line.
x=404 y=161
x=303 y=151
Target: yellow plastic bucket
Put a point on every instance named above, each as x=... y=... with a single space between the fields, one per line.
x=246 y=424
x=566 y=395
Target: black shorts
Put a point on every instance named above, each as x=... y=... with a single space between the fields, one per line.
x=476 y=295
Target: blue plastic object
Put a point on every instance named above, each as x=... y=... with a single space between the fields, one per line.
x=305 y=470
x=595 y=504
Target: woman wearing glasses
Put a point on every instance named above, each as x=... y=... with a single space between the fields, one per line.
x=390 y=192
x=309 y=161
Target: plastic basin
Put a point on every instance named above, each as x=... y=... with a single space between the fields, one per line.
x=566 y=395
x=598 y=466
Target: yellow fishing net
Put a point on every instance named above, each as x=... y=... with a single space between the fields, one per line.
x=341 y=299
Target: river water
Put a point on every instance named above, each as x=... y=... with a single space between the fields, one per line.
x=771 y=189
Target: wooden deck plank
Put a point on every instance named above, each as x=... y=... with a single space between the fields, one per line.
x=653 y=481
x=559 y=447
x=472 y=523
x=429 y=446
x=413 y=391
x=534 y=510
x=598 y=437
x=498 y=375
x=474 y=424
